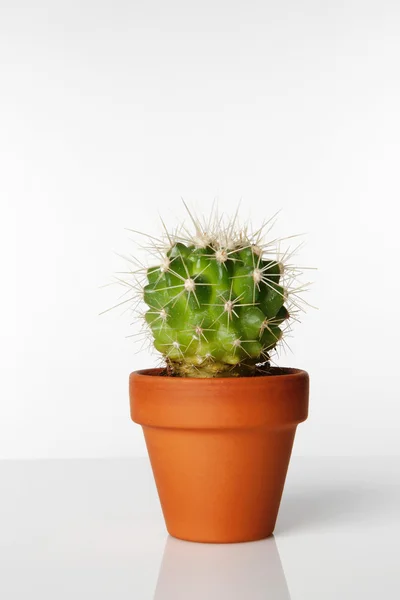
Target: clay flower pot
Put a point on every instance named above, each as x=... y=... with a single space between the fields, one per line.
x=219 y=449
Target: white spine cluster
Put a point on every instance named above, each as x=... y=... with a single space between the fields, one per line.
x=224 y=237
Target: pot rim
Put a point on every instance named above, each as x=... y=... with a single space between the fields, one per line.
x=285 y=372
x=272 y=401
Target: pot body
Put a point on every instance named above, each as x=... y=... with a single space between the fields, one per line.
x=219 y=449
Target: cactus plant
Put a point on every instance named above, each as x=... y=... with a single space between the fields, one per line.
x=217 y=301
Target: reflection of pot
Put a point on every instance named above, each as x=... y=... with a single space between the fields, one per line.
x=220 y=448
x=251 y=571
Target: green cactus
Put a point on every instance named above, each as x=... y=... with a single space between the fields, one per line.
x=215 y=304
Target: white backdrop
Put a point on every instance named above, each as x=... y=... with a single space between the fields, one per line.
x=110 y=112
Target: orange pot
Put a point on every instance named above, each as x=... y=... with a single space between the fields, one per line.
x=219 y=449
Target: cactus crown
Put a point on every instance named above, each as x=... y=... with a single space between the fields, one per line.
x=218 y=301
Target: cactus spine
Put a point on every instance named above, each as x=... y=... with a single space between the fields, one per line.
x=216 y=301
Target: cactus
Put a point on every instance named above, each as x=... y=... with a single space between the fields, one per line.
x=216 y=301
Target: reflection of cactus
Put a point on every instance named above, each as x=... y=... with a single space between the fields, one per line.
x=215 y=302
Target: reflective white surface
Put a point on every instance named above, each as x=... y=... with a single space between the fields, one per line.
x=93 y=529
x=200 y=571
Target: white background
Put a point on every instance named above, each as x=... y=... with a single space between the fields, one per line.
x=110 y=112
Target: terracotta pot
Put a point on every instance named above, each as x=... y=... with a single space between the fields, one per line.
x=219 y=449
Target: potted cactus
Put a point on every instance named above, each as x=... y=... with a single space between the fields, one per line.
x=218 y=419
